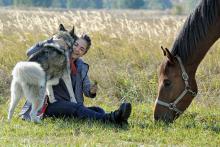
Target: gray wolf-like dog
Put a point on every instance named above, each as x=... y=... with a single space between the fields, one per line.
x=33 y=79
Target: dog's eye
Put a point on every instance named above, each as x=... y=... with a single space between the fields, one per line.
x=76 y=44
x=69 y=44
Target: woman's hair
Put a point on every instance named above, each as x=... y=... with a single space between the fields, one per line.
x=87 y=39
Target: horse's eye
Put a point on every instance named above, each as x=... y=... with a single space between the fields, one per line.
x=167 y=83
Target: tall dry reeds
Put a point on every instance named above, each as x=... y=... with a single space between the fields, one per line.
x=125 y=51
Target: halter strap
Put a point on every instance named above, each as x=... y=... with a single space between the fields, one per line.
x=185 y=77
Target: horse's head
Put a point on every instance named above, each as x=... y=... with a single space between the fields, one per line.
x=177 y=87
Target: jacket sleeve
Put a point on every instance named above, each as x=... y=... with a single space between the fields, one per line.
x=32 y=49
x=86 y=86
x=35 y=48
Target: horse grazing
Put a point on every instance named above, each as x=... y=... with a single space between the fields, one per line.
x=177 y=84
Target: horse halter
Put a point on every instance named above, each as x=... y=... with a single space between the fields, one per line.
x=185 y=77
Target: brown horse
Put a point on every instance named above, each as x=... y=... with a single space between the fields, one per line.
x=177 y=84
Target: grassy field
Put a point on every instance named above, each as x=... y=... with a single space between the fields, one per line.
x=124 y=59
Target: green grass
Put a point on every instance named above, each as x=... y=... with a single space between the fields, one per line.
x=194 y=128
x=124 y=59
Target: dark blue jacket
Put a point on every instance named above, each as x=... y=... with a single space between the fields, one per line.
x=80 y=83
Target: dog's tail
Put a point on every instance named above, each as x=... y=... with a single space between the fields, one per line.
x=29 y=72
x=16 y=95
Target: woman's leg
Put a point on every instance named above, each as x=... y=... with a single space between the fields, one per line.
x=69 y=109
x=61 y=109
x=97 y=109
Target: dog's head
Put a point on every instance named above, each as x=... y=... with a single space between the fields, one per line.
x=65 y=38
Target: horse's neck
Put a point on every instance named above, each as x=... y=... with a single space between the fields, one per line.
x=205 y=44
x=204 y=25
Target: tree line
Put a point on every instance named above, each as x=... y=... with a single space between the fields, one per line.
x=102 y=4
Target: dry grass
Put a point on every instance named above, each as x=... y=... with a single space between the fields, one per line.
x=125 y=43
x=125 y=51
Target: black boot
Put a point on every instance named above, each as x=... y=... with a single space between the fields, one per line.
x=119 y=116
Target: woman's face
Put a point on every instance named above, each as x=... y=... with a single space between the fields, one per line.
x=79 y=48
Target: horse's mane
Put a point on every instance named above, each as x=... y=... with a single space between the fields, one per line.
x=195 y=28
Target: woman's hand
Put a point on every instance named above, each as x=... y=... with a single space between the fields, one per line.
x=94 y=88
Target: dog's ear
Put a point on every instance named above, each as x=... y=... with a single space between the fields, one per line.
x=72 y=33
x=61 y=28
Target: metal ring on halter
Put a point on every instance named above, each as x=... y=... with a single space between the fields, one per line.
x=171 y=106
x=188 y=88
x=193 y=93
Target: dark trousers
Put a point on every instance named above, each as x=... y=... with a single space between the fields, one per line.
x=64 y=108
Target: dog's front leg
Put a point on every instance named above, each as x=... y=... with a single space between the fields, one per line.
x=67 y=80
x=50 y=89
x=50 y=94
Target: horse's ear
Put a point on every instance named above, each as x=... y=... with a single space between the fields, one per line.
x=167 y=53
x=169 y=56
x=72 y=33
x=164 y=52
x=61 y=27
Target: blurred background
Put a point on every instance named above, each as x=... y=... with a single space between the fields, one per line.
x=177 y=6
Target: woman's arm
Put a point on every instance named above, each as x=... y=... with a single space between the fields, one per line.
x=86 y=88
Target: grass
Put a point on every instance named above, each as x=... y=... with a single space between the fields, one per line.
x=124 y=58
x=189 y=130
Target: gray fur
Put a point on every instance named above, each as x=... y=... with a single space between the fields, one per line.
x=28 y=80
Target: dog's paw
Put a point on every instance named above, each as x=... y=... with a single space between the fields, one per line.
x=9 y=121
x=52 y=100
x=36 y=120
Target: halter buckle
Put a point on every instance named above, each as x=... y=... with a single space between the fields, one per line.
x=185 y=76
x=193 y=93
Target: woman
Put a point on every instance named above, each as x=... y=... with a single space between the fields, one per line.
x=81 y=85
